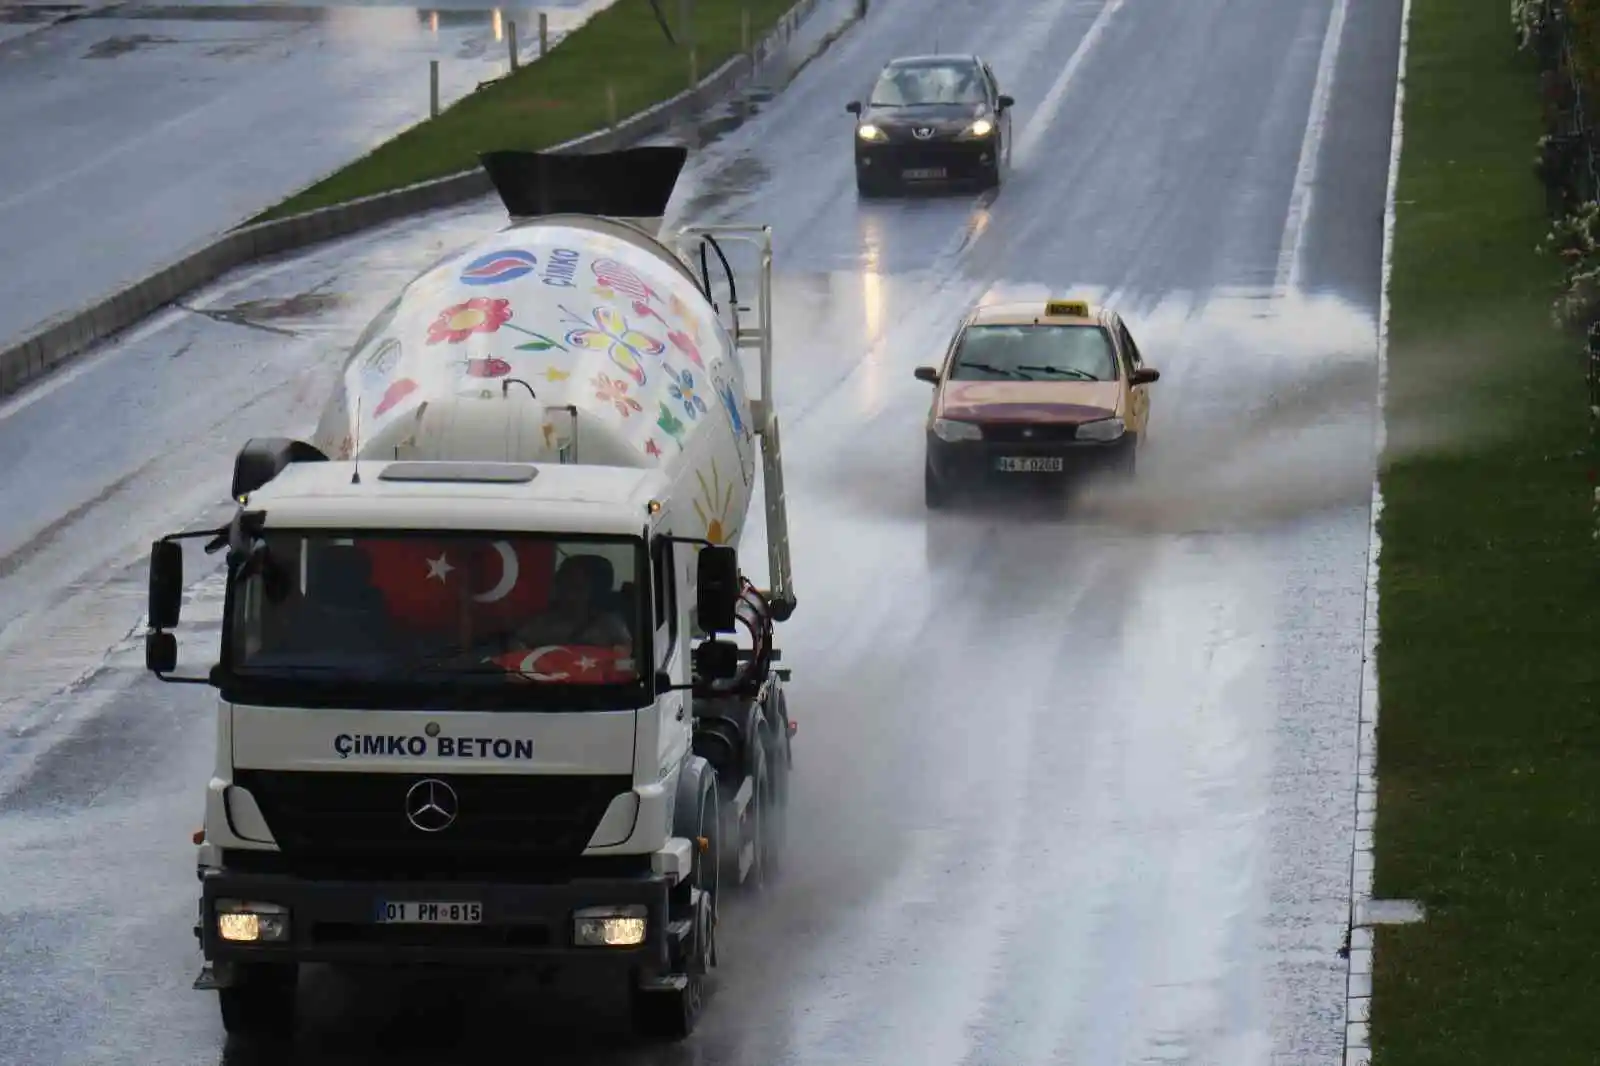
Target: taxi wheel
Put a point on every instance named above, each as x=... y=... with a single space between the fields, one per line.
x=1128 y=461
x=934 y=494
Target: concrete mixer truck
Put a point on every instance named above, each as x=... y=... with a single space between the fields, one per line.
x=494 y=690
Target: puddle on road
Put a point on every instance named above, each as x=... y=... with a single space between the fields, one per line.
x=112 y=47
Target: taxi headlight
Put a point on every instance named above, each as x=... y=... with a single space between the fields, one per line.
x=981 y=128
x=950 y=432
x=1107 y=429
x=244 y=922
x=868 y=132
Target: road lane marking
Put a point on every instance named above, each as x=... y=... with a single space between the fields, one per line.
x=1304 y=190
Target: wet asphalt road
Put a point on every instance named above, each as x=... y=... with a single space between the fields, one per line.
x=140 y=131
x=1071 y=788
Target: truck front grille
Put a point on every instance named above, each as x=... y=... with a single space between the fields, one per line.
x=323 y=817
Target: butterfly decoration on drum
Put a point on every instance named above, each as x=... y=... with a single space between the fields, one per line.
x=611 y=333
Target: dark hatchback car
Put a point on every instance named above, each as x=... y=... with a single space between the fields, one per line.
x=937 y=118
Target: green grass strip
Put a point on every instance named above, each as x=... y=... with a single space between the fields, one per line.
x=553 y=99
x=1489 y=741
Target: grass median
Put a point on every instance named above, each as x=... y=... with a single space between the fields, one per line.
x=1489 y=745
x=553 y=99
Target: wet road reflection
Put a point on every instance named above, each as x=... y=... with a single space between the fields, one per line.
x=154 y=127
x=1073 y=784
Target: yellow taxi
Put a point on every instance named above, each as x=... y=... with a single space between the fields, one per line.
x=1035 y=390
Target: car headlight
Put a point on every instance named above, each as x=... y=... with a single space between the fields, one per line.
x=868 y=132
x=1107 y=429
x=981 y=128
x=951 y=432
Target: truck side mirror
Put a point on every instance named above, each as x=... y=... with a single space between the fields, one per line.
x=717 y=588
x=160 y=652
x=1007 y=102
x=1145 y=375
x=166 y=584
x=853 y=108
x=717 y=660
x=929 y=374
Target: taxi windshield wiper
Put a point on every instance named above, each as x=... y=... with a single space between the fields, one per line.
x=1071 y=371
x=995 y=370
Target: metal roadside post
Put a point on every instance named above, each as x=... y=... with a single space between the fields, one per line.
x=544 y=34
x=433 y=88
x=861 y=9
x=1592 y=377
x=511 y=41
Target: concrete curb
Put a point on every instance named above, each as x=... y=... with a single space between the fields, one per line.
x=73 y=334
x=1365 y=912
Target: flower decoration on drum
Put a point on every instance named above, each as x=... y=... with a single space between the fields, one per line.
x=612 y=334
x=480 y=315
x=682 y=389
x=610 y=390
x=685 y=344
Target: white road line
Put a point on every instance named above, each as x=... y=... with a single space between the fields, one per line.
x=1358 y=986
x=1305 y=178
x=1042 y=118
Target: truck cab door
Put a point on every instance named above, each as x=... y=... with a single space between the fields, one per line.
x=670 y=648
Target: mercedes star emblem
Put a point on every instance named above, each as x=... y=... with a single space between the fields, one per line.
x=431 y=805
x=923 y=132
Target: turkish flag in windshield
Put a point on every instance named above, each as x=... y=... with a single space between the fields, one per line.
x=436 y=585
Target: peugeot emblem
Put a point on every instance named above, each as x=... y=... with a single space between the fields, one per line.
x=922 y=133
x=1027 y=433
x=431 y=805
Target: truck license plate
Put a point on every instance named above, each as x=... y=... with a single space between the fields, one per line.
x=921 y=173
x=423 y=913
x=1051 y=465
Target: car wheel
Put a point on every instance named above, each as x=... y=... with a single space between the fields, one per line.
x=1128 y=461
x=934 y=493
x=868 y=186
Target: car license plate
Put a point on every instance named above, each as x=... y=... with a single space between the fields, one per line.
x=410 y=912
x=920 y=173
x=1050 y=465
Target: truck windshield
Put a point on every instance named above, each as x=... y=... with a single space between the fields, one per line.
x=469 y=609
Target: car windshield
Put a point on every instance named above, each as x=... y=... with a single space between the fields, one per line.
x=1028 y=352
x=467 y=609
x=912 y=84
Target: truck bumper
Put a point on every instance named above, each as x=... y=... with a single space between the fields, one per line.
x=521 y=925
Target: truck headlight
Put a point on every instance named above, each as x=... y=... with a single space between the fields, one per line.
x=868 y=132
x=609 y=927
x=1107 y=429
x=242 y=922
x=949 y=431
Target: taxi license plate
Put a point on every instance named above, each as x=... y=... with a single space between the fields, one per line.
x=921 y=173
x=414 y=912
x=1051 y=465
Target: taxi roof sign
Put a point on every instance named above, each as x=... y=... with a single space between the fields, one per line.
x=1066 y=309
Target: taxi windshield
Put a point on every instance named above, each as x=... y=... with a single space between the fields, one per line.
x=463 y=609
x=914 y=84
x=1029 y=352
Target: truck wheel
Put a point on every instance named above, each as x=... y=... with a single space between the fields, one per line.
x=671 y=1013
x=1128 y=462
x=760 y=816
x=261 y=1000
x=778 y=798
